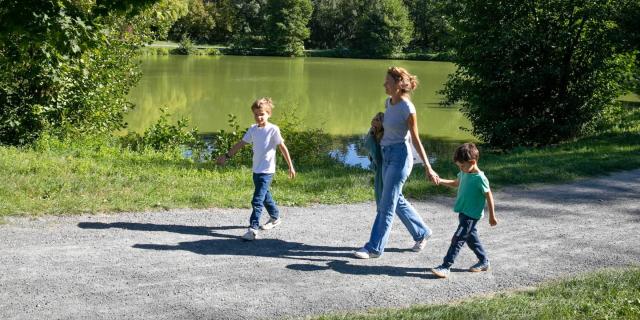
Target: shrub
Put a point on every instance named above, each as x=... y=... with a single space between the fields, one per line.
x=186 y=47
x=164 y=136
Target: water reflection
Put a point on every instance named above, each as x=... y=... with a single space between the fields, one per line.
x=350 y=150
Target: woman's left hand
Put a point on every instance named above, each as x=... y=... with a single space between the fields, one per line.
x=433 y=176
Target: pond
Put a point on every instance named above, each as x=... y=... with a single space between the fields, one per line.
x=338 y=95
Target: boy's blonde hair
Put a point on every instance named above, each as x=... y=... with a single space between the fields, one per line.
x=466 y=152
x=263 y=104
x=406 y=80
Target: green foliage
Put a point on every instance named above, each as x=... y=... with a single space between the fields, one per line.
x=248 y=26
x=537 y=72
x=308 y=147
x=67 y=66
x=223 y=141
x=164 y=136
x=186 y=47
x=432 y=26
x=383 y=30
x=332 y=23
x=198 y=24
x=286 y=28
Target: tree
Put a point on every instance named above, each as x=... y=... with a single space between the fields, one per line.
x=199 y=24
x=248 y=28
x=286 y=27
x=432 y=26
x=537 y=72
x=333 y=21
x=383 y=30
x=67 y=66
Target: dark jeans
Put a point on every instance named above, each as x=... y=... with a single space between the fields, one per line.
x=262 y=199
x=466 y=233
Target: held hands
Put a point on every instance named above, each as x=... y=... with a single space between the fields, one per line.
x=433 y=176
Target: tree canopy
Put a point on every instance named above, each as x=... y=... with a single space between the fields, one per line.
x=538 y=72
x=68 y=65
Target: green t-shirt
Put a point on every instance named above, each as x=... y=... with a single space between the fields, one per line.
x=470 y=199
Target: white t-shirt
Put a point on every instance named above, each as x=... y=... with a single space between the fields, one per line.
x=264 y=141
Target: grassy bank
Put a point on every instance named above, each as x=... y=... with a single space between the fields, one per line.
x=608 y=294
x=82 y=177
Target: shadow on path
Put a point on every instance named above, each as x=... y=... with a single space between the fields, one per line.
x=233 y=245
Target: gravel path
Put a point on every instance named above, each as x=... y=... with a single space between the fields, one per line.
x=191 y=264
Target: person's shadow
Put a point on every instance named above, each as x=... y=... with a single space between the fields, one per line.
x=226 y=244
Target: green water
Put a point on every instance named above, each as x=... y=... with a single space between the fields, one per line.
x=339 y=95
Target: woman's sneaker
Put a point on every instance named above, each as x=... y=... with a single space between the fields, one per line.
x=251 y=235
x=363 y=253
x=272 y=223
x=441 y=272
x=480 y=266
x=420 y=244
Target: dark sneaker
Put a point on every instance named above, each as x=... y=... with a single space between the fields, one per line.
x=272 y=223
x=480 y=266
x=441 y=272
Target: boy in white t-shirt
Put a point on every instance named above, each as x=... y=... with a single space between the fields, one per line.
x=264 y=137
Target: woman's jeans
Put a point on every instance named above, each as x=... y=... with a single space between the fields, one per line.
x=262 y=199
x=397 y=162
x=466 y=233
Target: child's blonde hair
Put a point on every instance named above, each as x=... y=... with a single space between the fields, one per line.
x=406 y=80
x=263 y=104
x=378 y=132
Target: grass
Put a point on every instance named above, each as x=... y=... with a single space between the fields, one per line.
x=71 y=179
x=607 y=294
x=83 y=177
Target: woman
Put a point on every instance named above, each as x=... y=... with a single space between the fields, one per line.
x=400 y=128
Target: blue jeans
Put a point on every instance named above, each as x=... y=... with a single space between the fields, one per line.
x=466 y=233
x=396 y=167
x=262 y=199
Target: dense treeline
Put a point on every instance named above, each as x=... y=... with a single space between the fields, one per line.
x=373 y=28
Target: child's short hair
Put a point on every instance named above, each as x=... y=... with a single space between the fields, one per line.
x=466 y=152
x=263 y=104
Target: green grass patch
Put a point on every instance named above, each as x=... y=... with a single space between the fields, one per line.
x=89 y=179
x=607 y=294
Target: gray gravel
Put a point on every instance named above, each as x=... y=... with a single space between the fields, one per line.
x=191 y=264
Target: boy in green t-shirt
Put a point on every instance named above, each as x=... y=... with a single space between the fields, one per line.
x=473 y=193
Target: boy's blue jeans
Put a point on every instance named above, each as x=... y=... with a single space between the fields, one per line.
x=466 y=233
x=396 y=167
x=262 y=199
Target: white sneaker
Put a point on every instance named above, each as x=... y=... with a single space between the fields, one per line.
x=419 y=245
x=363 y=253
x=251 y=235
x=272 y=223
